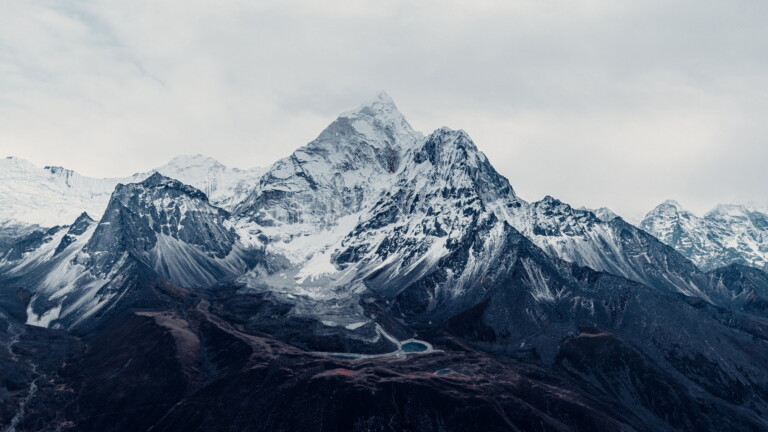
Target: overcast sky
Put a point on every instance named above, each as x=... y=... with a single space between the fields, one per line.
x=616 y=103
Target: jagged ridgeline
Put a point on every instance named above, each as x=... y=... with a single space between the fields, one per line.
x=375 y=279
x=728 y=234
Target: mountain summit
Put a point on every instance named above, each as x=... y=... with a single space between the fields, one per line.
x=728 y=234
x=382 y=113
x=339 y=173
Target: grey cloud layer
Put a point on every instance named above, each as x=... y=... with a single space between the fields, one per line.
x=596 y=102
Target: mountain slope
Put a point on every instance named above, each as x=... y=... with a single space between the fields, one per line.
x=172 y=228
x=157 y=232
x=615 y=247
x=745 y=287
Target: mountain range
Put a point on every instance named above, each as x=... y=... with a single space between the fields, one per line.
x=728 y=234
x=51 y=195
x=375 y=279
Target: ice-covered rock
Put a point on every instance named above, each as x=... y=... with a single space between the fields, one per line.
x=728 y=234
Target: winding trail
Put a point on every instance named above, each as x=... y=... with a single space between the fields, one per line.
x=398 y=353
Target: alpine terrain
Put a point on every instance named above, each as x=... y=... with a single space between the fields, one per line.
x=728 y=234
x=377 y=279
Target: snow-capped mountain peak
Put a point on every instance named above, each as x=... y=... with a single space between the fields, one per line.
x=381 y=106
x=378 y=120
x=368 y=239
x=141 y=216
x=728 y=211
x=185 y=161
x=727 y=234
x=340 y=172
x=603 y=213
x=672 y=203
x=225 y=187
x=157 y=180
x=454 y=148
x=670 y=210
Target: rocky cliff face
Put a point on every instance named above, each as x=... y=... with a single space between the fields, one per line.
x=159 y=229
x=172 y=228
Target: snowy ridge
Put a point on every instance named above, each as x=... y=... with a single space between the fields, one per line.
x=52 y=196
x=49 y=196
x=225 y=187
x=615 y=247
x=603 y=213
x=728 y=234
